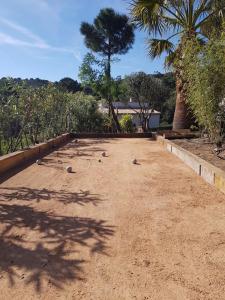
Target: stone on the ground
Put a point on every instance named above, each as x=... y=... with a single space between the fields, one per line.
x=69 y=169
x=103 y=154
x=134 y=161
x=38 y=162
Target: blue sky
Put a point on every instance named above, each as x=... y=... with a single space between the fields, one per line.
x=41 y=38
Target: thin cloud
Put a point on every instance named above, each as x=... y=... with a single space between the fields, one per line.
x=8 y=39
x=41 y=7
x=23 y=30
x=33 y=40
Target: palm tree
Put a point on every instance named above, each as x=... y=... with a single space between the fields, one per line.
x=109 y=35
x=172 y=23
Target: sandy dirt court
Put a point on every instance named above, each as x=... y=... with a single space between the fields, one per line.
x=111 y=230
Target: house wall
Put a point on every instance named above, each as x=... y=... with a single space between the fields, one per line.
x=153 y=122
x=136 y=120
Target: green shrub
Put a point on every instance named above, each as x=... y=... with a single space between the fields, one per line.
x=83 y=113
x=205 y=75
x=126 y=124
x=31 y=115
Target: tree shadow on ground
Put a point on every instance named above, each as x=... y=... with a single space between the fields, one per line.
x=41 y=264
x=82 y=150
x=77 y=143
x=47 y=256
x=30 y=194
x=74 y=153
x=88 y=151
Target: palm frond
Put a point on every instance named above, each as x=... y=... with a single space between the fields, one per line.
x=157 y=46
x=170 y=58
x=148 y=15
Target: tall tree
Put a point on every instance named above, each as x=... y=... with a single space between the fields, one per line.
x=166 y=20
x=69 y=85
x=91 y=74
x=109 y=35
x=148 y=91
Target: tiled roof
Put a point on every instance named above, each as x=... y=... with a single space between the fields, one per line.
x=124 y=111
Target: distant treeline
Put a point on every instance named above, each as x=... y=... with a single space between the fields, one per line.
x=34 y=110
x=66 y=84
x=120 y=91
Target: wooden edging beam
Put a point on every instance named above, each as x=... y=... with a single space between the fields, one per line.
x=207 y=171
x=111 y=135
x=17 y=159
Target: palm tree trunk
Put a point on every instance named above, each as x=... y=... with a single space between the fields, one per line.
x=182 y=116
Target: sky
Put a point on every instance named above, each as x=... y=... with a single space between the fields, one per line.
x=41 y=39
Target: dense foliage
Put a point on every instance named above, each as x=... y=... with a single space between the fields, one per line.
x=83 y=114
x=126 y=123
x=167 y=104
x=205 y=75
x=169 y=24
x=92 y=76
x=65 y=85
x=148 y=91
x=69 y=85
x=159 y=90
x=110 y=34
x=32 y=115
x=34 y=110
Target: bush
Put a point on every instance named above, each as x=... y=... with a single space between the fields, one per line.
x=29 y=116
x=205 y=74
x=83 y=113
x=126 y=124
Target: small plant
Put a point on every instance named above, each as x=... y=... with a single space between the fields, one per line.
x=126 y=124
x=194 y=128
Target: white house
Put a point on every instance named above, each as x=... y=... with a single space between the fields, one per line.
x=134 y=109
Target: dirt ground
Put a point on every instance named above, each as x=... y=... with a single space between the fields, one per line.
x=111 y=230
x=204 y=149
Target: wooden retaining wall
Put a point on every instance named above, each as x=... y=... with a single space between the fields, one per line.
x=206 y=170
x=111 y=135
x=19 y=158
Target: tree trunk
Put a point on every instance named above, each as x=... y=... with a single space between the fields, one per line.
x=108 y=76
x=182 y=116
x=114 y=116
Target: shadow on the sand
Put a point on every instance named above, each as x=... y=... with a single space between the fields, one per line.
x=47 y=256
x=30 y=194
